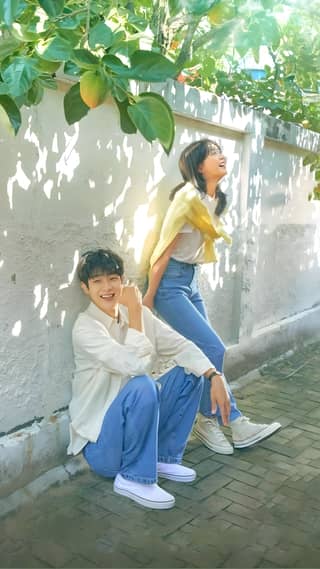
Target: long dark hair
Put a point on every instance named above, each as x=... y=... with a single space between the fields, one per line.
x=191 y=158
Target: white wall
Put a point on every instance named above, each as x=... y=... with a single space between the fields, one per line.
x=65 y=189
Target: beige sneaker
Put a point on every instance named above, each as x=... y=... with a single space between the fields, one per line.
x=245 y=434
x=208 y=431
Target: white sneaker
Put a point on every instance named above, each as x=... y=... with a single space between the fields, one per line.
x=148 y=495
x=176 y=472
x=246 y=434
x=208 y=431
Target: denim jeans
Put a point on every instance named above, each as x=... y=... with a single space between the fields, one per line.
x=179 y=302
x=148 y=422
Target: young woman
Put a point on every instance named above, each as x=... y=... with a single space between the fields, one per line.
x=190 y=227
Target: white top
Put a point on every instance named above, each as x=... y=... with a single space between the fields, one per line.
x=190 y=244
x=107 y=353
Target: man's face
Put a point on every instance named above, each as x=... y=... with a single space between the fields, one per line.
x=104 y=291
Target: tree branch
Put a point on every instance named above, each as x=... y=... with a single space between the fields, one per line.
x=187 y=43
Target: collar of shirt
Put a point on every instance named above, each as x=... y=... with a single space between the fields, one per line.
x=107 y=320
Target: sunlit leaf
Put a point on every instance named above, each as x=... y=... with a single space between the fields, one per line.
x=126 y=123
x=19 y=75
x=8 y=46
x=154 y=119
x=9 y=114
x=9 y=10
x=56 y=49
x=52 y=7
x=85 y=59
x=151 y=66
x=100 y=35
x=74 y=107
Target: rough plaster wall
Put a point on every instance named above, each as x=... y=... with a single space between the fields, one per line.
x=288 y=248
x=66 y=189
x=63 y=190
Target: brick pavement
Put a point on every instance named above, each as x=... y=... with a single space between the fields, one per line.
x=257 y=508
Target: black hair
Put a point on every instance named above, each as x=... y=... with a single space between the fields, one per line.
x=190 y=159
x=99 y=262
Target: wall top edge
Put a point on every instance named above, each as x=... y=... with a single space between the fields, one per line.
x=191 y=102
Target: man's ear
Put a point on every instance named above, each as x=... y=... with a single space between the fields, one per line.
x=84 y=288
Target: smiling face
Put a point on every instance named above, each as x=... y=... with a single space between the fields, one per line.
x=214 y=167
x=104 y=291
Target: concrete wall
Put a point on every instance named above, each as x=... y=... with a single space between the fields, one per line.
x=66 y=189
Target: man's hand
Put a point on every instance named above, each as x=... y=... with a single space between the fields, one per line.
x=148 y=301
x=131 y=297
x=220 y=397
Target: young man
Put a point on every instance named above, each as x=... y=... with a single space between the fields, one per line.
x=129 y=426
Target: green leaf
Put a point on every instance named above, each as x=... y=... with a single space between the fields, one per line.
x=115 y=64
x=71 y=68
x=154 y=119
x=317 y=175
x=48 y=82
x=85 y=59
x=151 y=66
x=119 y=88
x=35 y=93
x=56 y=49
x=7 y=47
x=52 y=7
x=126 y=123
x=74 y=107
x=100 y=35
x=22 y=33
x=19 y=75
x=308 y=159
x=198 y=7
x=10 y=114
x=4 y=89
x=9 y=10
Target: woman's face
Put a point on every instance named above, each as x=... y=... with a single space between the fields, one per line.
x=214 y=167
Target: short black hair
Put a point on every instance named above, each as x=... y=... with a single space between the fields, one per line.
x=99 y=262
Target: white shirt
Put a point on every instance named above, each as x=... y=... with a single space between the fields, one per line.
x=190 y=245
x=107 y=353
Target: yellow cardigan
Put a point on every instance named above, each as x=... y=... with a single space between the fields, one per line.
x=187 y=207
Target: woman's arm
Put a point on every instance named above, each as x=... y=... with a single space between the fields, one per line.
x=156 y=274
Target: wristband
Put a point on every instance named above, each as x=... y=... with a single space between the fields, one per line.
x=213 y=374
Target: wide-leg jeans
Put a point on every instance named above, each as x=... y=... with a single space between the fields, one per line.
x=179 y=302
x=148 y=422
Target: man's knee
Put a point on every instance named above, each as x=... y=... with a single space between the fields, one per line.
x=145 y=387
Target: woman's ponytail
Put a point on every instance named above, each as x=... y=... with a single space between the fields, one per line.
x=222 y=201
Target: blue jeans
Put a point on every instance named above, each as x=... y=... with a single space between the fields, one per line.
x=179 y=302
x=148 y=422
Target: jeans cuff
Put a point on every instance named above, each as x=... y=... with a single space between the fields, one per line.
x=170 y=459
x=139 y=479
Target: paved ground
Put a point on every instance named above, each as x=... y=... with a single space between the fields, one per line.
x=257 y=508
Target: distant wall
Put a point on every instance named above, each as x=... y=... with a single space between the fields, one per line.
x=65 y=189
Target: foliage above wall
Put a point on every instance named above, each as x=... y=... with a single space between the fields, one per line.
x=206 y=43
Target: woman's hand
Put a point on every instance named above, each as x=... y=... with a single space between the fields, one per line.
x=220 y=398
x=148 y=301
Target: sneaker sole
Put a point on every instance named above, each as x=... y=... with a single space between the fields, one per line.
x=218 y=450
x=266 y=433
x=145 y=502
x=177 y=478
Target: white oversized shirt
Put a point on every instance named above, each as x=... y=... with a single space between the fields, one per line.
x=107 y=354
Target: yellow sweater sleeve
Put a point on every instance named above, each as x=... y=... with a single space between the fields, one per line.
x=187 y=207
